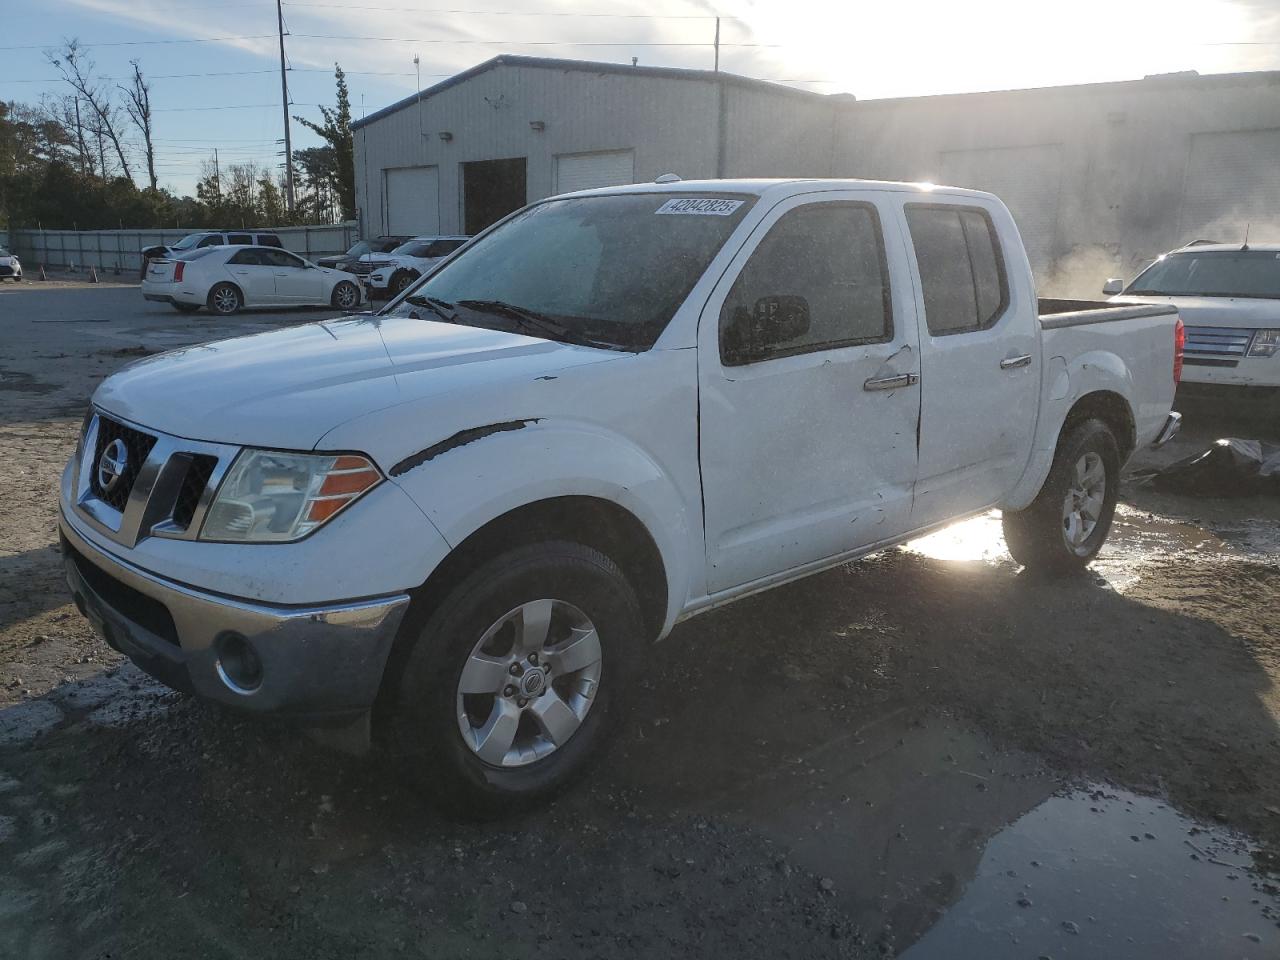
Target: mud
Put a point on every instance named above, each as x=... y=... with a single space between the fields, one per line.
x=842 y=767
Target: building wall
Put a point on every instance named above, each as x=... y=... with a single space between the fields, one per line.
x=669 y=123
x=1123 y=153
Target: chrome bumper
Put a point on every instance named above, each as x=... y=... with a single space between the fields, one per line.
x=1172 y=424
x=312 y=661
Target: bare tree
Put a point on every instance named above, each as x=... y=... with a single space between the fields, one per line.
x=77 y=68
x=138 y=106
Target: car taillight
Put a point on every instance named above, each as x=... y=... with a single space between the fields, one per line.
x=177 y=271
x=1179 y=344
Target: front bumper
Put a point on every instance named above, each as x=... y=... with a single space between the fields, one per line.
x=314 y=661
x=1172 y=424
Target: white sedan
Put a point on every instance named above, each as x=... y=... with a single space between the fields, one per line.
x=9 y=265
x=226 y=279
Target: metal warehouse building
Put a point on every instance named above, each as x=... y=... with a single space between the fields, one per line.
x=1100 y=177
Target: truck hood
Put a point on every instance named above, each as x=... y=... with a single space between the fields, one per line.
x=1248 y=312
x=288 y=388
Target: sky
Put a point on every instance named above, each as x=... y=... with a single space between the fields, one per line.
x=214 y=64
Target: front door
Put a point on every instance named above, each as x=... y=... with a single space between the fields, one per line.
x=980 y=363
x=808 y=367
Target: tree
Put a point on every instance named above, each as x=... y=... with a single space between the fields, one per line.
x=138 y=106
x=336 y=131
x=77 y=69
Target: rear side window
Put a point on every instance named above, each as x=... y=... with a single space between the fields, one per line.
x=442 y=248
x=962 y=273
x=269 y=240
x=240 y=238
x=249 y=258
x=281 y=258
x=832 y=255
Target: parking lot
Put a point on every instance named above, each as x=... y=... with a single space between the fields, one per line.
x=928 y=752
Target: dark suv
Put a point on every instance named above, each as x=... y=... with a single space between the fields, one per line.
x=355 y=261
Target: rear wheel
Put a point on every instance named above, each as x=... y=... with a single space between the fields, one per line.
x=510 y=687
x=346 y=296
x=1065 y=526
x=225 y=299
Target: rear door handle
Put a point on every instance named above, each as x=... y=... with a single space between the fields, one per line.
x=1012 y=363
x=891 y=383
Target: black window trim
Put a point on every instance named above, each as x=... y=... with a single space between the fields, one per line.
x=1002 y=272
x=886 y=295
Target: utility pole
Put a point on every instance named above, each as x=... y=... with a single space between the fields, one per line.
x=284 y=97
x=217 y=176
x=717 y=67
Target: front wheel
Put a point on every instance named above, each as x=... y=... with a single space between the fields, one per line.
x=400 y=282
x=508 y=690
x=1065 y=526
x=346 y=296
x=225 y=299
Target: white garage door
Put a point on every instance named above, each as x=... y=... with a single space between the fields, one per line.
x=1027 y=179
x=1233 y=179
x=413 y=200
x=586 y=171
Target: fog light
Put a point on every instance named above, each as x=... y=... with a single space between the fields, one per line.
x=238 y=663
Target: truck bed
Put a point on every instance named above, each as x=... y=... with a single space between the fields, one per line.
x=1076 y=313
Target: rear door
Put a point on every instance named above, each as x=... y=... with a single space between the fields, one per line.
x=808 y=437
x=296 y=281
x=254 y=276
x=980 y=355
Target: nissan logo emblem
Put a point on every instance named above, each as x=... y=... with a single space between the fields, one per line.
x=112 y=465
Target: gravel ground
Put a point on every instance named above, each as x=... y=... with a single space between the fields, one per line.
x=814 y=772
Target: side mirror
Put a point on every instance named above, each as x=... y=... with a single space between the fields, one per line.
x=772 y=321
x=1113 y=287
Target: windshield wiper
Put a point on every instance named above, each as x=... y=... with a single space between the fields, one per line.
x=441 y=308
x=531 y=319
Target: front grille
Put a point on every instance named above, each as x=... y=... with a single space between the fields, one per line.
x=138 y=446
x=360 y=269
x=135 y=606
x=6 y=270
x=1229 y=342
x=197 y=478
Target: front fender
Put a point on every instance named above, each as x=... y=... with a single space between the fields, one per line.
x=1064 y=384
x=480 y=474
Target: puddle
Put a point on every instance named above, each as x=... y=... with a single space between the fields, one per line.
x=1106 y=873
x=1137 y=537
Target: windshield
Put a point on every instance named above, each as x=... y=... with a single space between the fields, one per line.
x=1212 y=273
x=611 y=269
x=360 y=248
x=187 y=242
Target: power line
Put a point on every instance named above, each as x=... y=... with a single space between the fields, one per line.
x=141 y=43
x=534 y=43
x=521 y=13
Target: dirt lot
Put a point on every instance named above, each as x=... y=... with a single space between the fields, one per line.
x=827 y=770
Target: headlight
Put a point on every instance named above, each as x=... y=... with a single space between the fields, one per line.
x=270 y=496
x=1265 y=343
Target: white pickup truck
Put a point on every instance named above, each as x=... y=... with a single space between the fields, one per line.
x=464 y=517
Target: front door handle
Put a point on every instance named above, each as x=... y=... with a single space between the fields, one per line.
x=1012 y=363
x=891 y=383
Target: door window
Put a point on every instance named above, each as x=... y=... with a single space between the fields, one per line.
x=830 y=254
x=213 y=240
x=281 y=258
x=442 y=248
x=962 y=273
x=269 y=240
x=250 y=258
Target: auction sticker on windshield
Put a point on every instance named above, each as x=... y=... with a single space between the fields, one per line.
x=703 y=206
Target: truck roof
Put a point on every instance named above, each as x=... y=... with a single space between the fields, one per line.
x=781 y=187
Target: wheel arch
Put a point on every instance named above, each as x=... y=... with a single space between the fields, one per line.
x=594 y=522
x=230 y=283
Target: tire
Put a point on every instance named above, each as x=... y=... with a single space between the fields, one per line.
x=1065 y=526
x=186 y=307
x=462 y=772
x=346 y=296
x=399 y=282
x=225 y=299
